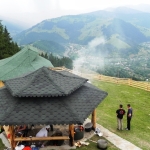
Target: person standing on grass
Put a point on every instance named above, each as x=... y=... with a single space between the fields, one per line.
x=129 y=116
x=120 y=112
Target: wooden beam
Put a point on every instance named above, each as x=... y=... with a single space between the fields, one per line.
x=71 y=134
x=1 y=84
x=41 y=138
x=93 y=120
x=12 y=137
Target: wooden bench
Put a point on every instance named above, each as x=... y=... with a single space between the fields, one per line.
x=41 y=138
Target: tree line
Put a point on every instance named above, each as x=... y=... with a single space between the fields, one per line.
x=59 y=62
x=7 y=46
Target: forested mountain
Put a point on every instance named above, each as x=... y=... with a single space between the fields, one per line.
x=49 y=47
x=70 y=28
x=59 y=62
x=7 y=46
x=113 y=42
x=122 y=28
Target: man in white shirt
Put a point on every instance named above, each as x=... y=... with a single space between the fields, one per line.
x=43 y=133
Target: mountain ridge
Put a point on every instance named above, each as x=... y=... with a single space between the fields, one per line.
x=123 y=25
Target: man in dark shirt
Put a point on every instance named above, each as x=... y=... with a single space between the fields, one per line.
x=22 y=130
x=120 y=112
x=129 y=116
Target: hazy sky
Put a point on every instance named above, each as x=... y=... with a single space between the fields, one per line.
x=31 y=12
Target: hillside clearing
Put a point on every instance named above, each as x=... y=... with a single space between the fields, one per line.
x=139 y=100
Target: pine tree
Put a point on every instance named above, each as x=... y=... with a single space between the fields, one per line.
x=59 y=62
x=7 y=46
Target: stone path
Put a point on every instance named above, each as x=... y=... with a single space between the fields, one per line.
x=117 y=141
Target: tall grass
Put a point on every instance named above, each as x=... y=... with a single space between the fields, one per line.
x=140 y=102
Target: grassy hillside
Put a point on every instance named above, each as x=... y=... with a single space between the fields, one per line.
x=49 y=47
x=139 y=100
x=1 y=145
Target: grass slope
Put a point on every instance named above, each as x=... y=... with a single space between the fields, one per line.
x=139 y=100
x=93 y=144
x=2 y=146
x=49 y=47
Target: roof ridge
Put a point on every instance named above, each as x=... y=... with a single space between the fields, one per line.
x=21 y=51
x=64 y=75
x=9 y=60
x=29 y=56
x=64 y=84
x=78 y=77
x=35 y=76
x=60 y=89
x=16 y=66
x=5 y=60
x=15 y=55
x=24 y=86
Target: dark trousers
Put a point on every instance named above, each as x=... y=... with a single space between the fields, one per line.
x=51 y=127
x=128 y=122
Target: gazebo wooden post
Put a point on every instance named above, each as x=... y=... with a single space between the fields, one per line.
x=93 y=120
x=12 y=137
x=71 y=134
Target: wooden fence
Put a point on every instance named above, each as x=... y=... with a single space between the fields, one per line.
x=137 y=84
x=91 y=76
x=95 y=76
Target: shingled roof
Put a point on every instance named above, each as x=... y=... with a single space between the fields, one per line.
x=70 y=109
x=25 y=61
x=44 y=83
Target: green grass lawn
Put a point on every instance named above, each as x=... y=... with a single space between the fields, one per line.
x=140 y=102
x=1 y=145
x=93 y=144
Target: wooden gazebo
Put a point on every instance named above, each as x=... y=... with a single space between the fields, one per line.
x=48 y=97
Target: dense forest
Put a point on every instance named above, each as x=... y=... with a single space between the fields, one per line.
x=59 y=62
x=7 y=46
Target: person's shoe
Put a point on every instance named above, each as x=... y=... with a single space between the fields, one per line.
x=127 y=129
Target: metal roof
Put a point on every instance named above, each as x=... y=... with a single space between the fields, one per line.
x=25 y=61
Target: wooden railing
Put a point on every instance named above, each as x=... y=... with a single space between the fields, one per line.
x=41 y=138
x=137 y=84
